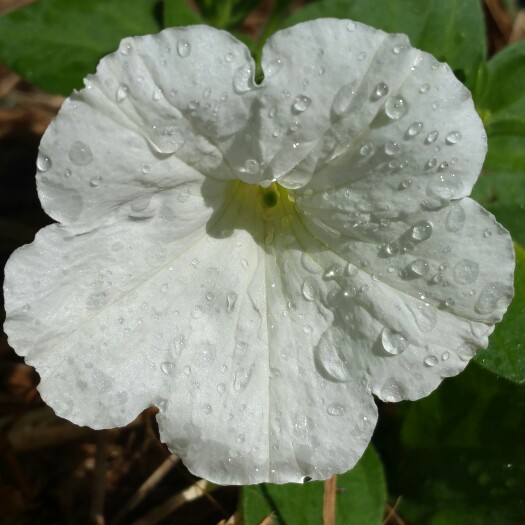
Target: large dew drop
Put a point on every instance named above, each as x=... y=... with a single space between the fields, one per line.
x=301 y=103
x=183 y=48
x=43 y=162
x=396 y=107
x=243 y=79
x=455 y=219
x=414 y=129
x=380 y=91
x=80 y=154
x=343 y=99
x=453 y=137
x=466 y=271
x=273 y=68
x=490 y=296
x=425 y=316
x=393 y=342
x=421 y=231
x=446 y=186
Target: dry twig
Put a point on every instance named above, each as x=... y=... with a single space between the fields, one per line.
x=330 y=490
x=156 y=477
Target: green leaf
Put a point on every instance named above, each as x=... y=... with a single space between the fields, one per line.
x=56 y=43
x=456 y=457
x=361 y=498
x=179 y=13
x=452 y=30
x=505 y=355
x=501 y=102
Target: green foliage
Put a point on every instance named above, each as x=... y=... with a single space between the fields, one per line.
x=452 y=30
x=179 y=13
x=361 y=498
x=56 y=43
x=505 y=355
x=457 y=456
x=500 y=99
x=226 y=14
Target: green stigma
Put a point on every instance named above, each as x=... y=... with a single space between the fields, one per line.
x=270 y=196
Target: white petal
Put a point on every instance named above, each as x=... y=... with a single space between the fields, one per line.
x=352 y=81
x=169 y=102
x=216 y=328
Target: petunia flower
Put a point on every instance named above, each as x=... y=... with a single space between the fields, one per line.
x=259 y=260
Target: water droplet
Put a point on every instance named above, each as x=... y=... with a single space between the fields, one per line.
x=397 y=49
x=391 y=249
x=455 y=219
x=446 y=186
x=424 y=88
x=430 y=361
x=396 y=107
x=80 y=154
x=183 y=48
x=393 y=342
x=221 y=388
x=366 y=149
x=421 y=231
x=243 y=79
x=466 y=271
x=425 y=315
x=445 y=356
x=242 y=378
x=273 y=68
x=252 y=167
x=231 y=299
x=490 y=296
x=380 y=91
x=240 y=438
x=453 y=137
x=95 y=181
x=125 y=49
x=392 y=148
x=449 y=302
x=197 y=312
x=361 y=56
x=335 y=409
x=157 y=94
x=187 y=370
x=301 y=103
x=122 y=93
x=167 y=367
x=419 y=267
x=343 y=99
x=487 y=233
x=350 y=26
x=43 y=162
x=332 y=272
x=414 y=129
x=207 y=409
x=431 y=163
x=308 y=291
x=432 y=137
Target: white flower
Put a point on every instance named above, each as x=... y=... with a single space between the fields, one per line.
x=258 y=260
